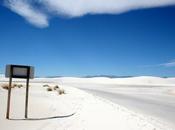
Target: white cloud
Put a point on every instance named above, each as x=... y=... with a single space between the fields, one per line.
x=81 y=7
x=26 y=10
x=167 y=64
x=77 y=8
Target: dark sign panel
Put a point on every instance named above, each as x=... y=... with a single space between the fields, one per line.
x=19 y=71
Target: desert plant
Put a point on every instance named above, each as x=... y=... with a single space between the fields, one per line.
x=5 y=86
x=49 y=89
x=56 y=87
x=15 y=85
x=46 y=85
x=61 y=91
x=20 y=85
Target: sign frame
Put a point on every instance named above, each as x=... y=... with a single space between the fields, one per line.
x=10 y=71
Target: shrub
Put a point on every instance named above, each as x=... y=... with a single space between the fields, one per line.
x=5 y=86
x=49 y=89
x=15 y=85
x=46 y=85
x=20 y=85
x=61 y=91
x=56 y=87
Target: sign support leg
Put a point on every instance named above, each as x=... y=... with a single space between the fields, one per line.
x=27 y=95
x=8 y=100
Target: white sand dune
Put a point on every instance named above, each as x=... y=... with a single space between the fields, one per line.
x=142 y=80
x=150 y=96
x=90 y=112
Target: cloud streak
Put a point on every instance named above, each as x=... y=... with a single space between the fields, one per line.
x=26 y=10
x=38 y=12
x=167 y=64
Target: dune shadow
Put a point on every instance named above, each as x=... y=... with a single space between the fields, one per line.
x=43 y=118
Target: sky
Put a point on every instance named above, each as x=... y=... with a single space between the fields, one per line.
x=98 y=39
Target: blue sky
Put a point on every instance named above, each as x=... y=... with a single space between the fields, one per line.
x=138 y=42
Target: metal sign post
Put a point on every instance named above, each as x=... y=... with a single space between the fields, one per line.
x=27 y=92
x=19 y=71
x=9 y=97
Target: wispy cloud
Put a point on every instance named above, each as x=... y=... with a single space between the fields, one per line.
x=28 y=11
x=167 y=64
x=37 y=11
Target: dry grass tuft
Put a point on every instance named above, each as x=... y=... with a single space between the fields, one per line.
x=14 y=85
x=49 y=89
x=56 y=87
x=46 y=85
x=19 y=85
x=6 y=86
x=61 y=91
